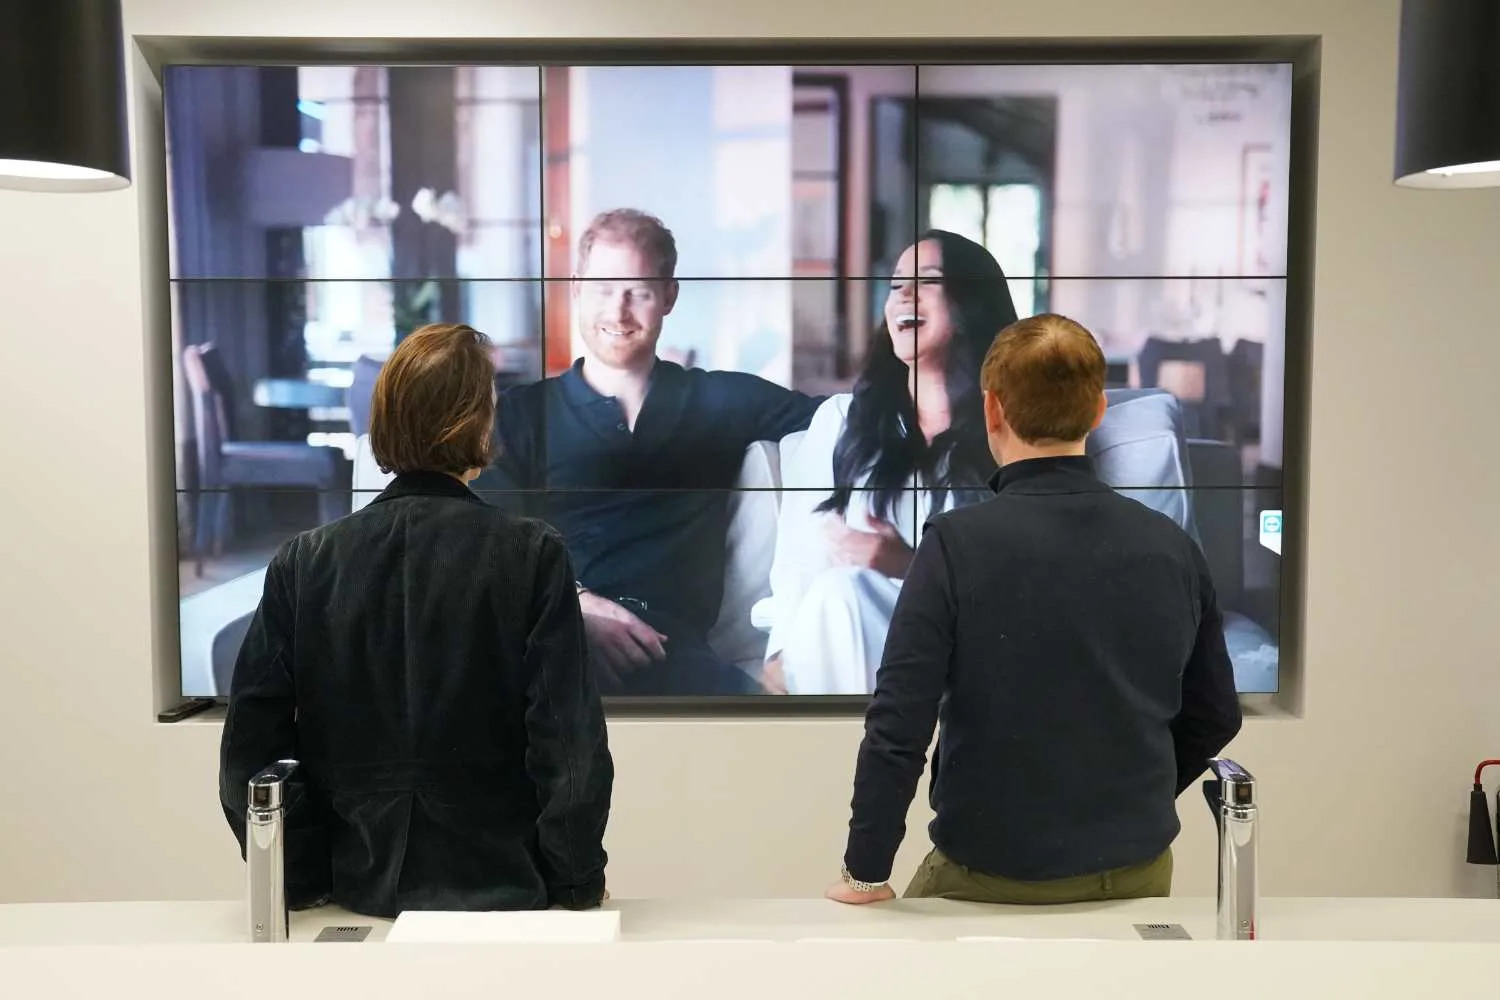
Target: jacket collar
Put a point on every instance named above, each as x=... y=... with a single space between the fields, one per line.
x=427 y=484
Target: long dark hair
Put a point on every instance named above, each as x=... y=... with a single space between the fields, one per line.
x=881 y=435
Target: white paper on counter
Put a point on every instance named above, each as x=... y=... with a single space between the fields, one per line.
x=501 y=927
x=985 y=939
x=855 y=939
x=713 y=941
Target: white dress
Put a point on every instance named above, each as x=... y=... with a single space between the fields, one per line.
x=828 y=621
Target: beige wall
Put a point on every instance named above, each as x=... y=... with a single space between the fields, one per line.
x=1363 y=794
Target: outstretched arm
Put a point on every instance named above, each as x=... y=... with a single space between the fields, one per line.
x=567 y=751
x=903 y=711
x=260 y=729
x=1210 y=715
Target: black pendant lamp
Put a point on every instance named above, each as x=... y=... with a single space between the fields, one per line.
x=1448 y=94
x=62 y=96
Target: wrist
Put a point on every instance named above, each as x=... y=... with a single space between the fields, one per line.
x=859 y=885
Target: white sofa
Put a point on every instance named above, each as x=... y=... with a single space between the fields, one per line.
x=1139 y=449
x=751 y=541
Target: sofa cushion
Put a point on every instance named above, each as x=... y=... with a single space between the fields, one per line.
x=368 y=479
x=749 y=547
x=1140 y=449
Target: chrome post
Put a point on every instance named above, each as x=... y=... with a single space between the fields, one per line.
x=265 y=852
x=1237 y=816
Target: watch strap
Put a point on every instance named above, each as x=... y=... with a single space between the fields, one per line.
x=857 y=885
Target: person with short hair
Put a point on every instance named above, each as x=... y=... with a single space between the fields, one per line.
x=424 y=660
x=1067 y=644
x=633 y=458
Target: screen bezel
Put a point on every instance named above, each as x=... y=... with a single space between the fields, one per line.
x=1303 y=53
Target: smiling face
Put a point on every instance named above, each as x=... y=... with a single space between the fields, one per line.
x=916 y=310
x=619 y=308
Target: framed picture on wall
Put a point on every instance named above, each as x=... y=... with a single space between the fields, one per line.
x=815 y=229
x=1257 y=195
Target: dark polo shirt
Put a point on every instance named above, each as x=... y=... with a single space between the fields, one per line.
x=644 y=513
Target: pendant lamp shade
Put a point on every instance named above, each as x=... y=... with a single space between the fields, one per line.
x=62 y=96
x=1448 y=94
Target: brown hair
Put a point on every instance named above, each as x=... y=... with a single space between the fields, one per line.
x=433 y=409
x=639 y=229
x=1048 y=374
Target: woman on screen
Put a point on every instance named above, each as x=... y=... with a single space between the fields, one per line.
x=907 y=443
x=423 y=660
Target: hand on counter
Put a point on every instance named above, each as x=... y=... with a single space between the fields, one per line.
x=602 y=900
x=841 y=892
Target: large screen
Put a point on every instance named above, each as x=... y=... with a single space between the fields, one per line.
x=764 y=230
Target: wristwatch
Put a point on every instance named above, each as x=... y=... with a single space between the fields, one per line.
x=857 y=885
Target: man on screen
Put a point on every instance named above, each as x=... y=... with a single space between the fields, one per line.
x=1069 y=640
x=631 y=457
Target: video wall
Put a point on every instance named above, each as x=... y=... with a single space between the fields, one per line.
x=800 y=266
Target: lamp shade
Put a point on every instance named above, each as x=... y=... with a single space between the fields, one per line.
x=1448 y=94
x=62 y=96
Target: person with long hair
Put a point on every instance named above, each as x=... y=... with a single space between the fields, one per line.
x=908 y=442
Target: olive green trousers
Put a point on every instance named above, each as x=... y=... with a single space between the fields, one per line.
x=940 y=877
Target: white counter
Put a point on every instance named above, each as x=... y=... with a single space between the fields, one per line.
x=791 y=920
x=758 y=950
x=679 y=970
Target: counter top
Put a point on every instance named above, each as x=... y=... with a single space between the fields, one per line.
x=871 y=970
x=792 y=948
x=793 y=920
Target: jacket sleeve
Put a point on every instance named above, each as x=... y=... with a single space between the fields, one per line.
x=903 y=711
x=567 y=750
x=260 y=729
x=1210 y=715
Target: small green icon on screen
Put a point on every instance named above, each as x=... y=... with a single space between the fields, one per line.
x=1270 y=530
